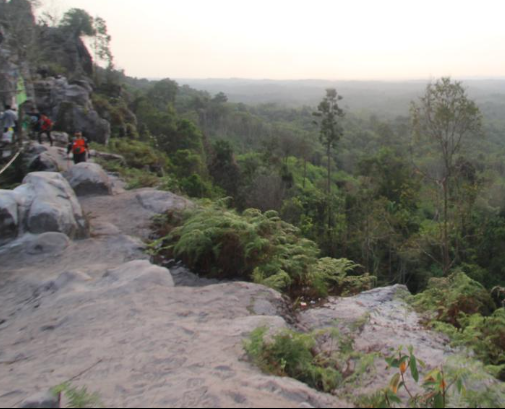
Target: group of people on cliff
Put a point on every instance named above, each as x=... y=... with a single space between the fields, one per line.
x=39 y=125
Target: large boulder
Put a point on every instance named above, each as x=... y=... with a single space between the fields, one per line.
x=9 y=218
x=43 y=163
x=47 y=203
x=89 y=179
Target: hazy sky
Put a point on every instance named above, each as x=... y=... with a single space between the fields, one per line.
x=291 y=39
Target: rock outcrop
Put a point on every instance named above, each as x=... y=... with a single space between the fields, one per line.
x=71 y=107
x=379 y=321
x=99 y=303
x=45 y=202
x=89 y=179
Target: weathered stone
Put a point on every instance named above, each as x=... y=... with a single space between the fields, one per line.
x=41 y=400
x=9 y=218
x=379 y=321
x=89 y=179
x=160 y=202
x=47 y=243
x=141 y=272
x=43 y=163
x=78 y=95
x=61 y=139
x=107 y=156
x=51 y=206
x=71 y=107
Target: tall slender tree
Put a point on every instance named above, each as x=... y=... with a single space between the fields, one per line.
x=330 y=125
x=330 y=116
x=447 y=118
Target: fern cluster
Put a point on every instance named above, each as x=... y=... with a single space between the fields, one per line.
x=321 y=359
x=449 y=299
x=463 y=309
x=216 y=241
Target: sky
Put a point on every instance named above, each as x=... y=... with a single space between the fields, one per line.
x=292 y=39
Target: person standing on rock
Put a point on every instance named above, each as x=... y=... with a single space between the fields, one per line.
x=46 y=126
x=79 y=148
x=9 y=119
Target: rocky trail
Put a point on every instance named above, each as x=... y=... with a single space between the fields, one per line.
x=81 y=301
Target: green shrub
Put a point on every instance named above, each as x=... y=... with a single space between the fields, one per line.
x=334 y=276
x=484 y=336
x=219 y=242
x=448 y=299
x=302 y=357
x=465 y=311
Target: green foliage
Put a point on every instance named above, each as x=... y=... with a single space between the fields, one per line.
x=140 y=155
x=331 y=275
x=436 y=387
x=78 y=397
x=462 y=383
x=163 y=94
x=484 y=336
x=79 y=22
x=449 y=299
x=195 y=186
x=260 y=246
x=301 y=357
x=463 y=309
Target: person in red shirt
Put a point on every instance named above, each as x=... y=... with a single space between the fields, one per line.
x=79 y=148
x=46 y=126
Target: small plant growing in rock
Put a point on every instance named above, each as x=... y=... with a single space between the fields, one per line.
x=324 y=360
x=77 y=397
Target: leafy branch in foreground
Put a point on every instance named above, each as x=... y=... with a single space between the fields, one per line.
x=435 y=386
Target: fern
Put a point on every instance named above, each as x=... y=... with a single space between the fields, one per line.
x=78 y=398
x=464 y=310
x=308 y=358
x=219 y=242
x=446 y=299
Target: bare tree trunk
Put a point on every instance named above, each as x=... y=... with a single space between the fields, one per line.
x=329 y=187
x=21 y=115
x=304 y=172
x=447 y=258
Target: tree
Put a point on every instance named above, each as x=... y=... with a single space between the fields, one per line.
x=79 y=23
x=330 y=117
x=163 y=93
x=101 y=43
x=224 y=169
x=446 y=118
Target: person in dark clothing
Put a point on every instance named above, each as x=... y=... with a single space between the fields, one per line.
x=34 y=123
x=46 y=126
x=79 y=148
